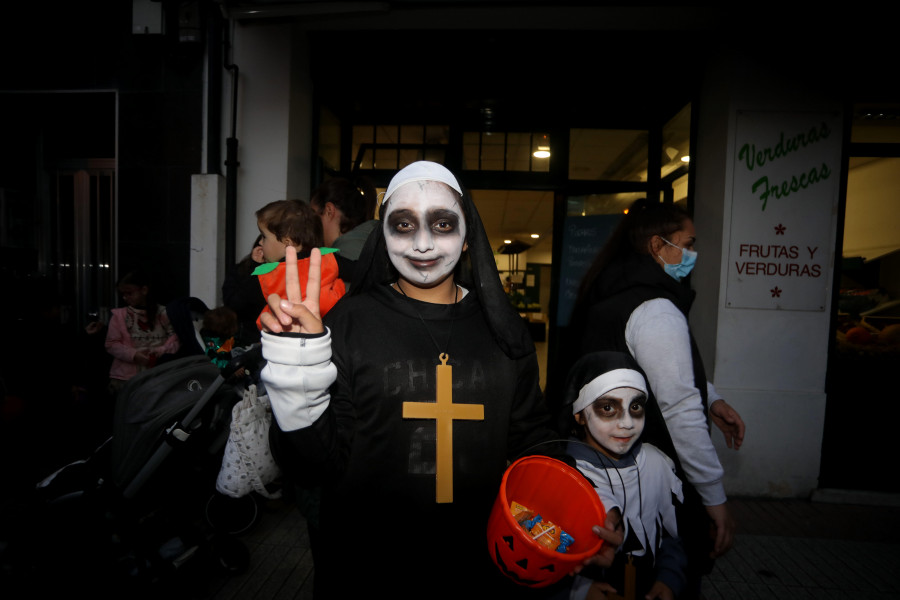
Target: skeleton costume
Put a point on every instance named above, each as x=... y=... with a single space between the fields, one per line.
x=641 y=484
x=340 y=402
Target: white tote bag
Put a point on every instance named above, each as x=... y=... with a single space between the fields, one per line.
x=248 y=465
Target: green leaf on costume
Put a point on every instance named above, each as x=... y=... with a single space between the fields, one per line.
x=265 y=268
x=269 y=267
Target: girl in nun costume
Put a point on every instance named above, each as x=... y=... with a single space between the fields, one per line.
x=606 y=394
x=406 y=490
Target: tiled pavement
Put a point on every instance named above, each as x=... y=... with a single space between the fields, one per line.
x=790 y=549
x=808 y=549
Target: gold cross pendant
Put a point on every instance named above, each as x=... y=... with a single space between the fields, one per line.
x=444 y=412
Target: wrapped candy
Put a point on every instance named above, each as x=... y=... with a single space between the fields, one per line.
x=546 y=533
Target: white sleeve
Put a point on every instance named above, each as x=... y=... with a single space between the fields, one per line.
x=297 y=376
x=711 y=394
x=657 y=336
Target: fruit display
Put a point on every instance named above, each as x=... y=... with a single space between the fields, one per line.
x=859 y=336
x=890 y=335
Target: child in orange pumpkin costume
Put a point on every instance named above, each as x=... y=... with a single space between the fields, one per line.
x=294 y=223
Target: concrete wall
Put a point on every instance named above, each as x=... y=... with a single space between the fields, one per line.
x=207 y=270
x=274 y=135
x=274 y=122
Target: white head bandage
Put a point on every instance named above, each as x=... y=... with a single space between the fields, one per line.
x=617 y=378
x=421 y=171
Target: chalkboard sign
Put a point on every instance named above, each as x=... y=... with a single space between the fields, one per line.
x=582 y=239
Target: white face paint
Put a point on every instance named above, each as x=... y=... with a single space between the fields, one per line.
x=615 y=421
x=425 y=232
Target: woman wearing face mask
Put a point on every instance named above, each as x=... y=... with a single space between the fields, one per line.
x=634 y=299
x=403 y=510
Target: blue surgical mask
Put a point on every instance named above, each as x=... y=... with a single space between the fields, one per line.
x=680 y=270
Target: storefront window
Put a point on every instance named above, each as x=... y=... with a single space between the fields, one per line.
x=393 y=147
x=680 y=191
x=506 y=151
x=601 y=204
x=876 y=124
x=608 y=154
x=493 y=150
x=676 y=143
x=364 y=135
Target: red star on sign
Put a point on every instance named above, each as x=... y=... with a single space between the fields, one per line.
x=776 y=293
x=779 y=229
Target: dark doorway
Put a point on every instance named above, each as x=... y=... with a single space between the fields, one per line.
x=57 y=200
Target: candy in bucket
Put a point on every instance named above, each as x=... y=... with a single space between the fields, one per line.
x=552 y=489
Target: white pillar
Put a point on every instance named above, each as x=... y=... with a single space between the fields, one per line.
x=770 y=364
x=207 y=270
x=274 y=123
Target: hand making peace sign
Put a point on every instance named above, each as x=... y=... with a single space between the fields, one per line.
x=296 y=314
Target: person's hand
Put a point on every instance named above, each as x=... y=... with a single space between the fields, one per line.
x=295 y=314
x=660 y=591
x=612 y=534
x=94 y=327
x=729 y=421
x=257 y=255
x=142 y=357
x=725 y=527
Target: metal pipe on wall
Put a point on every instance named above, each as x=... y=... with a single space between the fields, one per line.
x=231 y=167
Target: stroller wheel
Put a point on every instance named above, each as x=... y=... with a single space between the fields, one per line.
x=231 y=515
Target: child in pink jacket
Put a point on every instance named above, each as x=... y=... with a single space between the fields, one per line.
x=139 y=333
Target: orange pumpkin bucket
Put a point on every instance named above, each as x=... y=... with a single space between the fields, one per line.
x=559 y=494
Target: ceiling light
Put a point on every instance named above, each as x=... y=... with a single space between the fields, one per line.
x=685 y=158
x=507 y=241
x=535 y=236
x=540 y=144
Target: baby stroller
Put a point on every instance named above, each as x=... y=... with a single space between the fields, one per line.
x=131 y=519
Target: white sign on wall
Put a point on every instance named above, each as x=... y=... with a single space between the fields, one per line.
x=784 y=210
